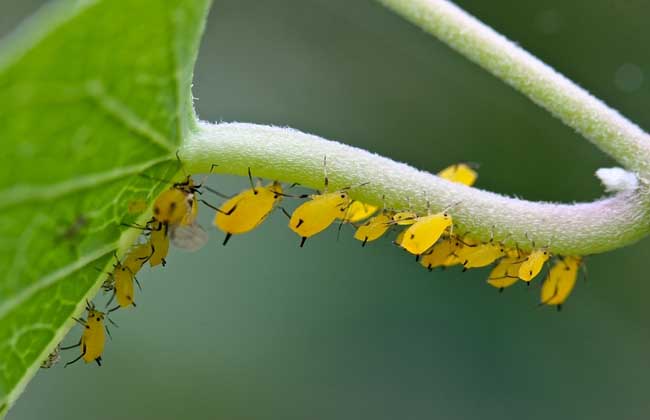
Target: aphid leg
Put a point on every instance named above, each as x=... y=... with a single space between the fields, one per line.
x=99 y=361
x=250 y=179
x=286 y=213
x=114 y=309
x=327 y=181
x=113 y=323
x=302 y=241
x=338 y=231
x=111 y=299
x=215 y=192
x=83 y=353
x=365 y=241
x=108 y=332
x=72 y=346
x=138 y=283
x=227 y=238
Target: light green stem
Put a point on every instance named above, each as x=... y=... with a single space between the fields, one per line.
x=292 y=156
x=605 y=127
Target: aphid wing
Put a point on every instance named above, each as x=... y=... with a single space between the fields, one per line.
x=191 y=237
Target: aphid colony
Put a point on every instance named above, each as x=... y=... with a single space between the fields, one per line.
x=429 y=237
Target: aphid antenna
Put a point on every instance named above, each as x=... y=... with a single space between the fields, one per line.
x=217 y=209
x=80 y=321
x=110 y=300
x=446 y=209
x=136 y=226
x=90 y=305
x=359 y=185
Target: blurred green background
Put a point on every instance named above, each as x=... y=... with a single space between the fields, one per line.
x=261 y=329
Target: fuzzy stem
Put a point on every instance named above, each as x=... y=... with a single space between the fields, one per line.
x=605 y=127
x=292 y=156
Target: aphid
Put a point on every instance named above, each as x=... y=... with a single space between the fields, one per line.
x=505 y=273
x=178 y=204
x=373 y=228
x=460 y=173
x=560 y=281
x=320 y=212
x=73 y=230
x=533 y=264
x=137 y=257
x=404 y=218
x=120 y=282
x=93 y=338
x=248 y=209
x=425 y=232
x=52 y=358
x=483 y=254
x=440 y=255
x=137 y=206
x=160 y=242
x=358 y=211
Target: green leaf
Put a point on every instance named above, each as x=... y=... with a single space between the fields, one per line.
x=92 y=95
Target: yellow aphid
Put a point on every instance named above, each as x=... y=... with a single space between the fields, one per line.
x=461 y=248
x=178 y=204
x=245 y=211
x=399 y=238
x=425 y=232
x=483 y=254
x=159 y=241
x=318 y=213
x=505 y=273
x=137 y=206
x=137 y=257
x=441 y=255
x=373 y=229
x=560 y=281
x=404 y=218
x=358 y=211
x=460 y=173
x=123 y=280
x=93 y=337
x=533 y=264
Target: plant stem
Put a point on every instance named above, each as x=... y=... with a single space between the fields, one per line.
x=605 y=127
x=289 y=155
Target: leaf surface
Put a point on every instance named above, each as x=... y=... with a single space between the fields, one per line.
x=93 y=94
